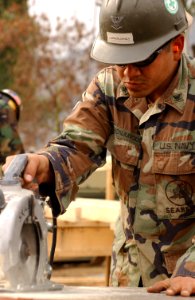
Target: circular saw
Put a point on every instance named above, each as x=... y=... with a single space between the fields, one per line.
x=23 y=234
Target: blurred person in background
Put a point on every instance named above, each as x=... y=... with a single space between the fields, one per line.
x=10 y=141
x=142 y=109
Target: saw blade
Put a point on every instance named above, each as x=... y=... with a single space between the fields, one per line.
x=23 y=240
x=25 y=271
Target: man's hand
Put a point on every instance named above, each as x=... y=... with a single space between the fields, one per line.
x=38 y=167
x=185 y=286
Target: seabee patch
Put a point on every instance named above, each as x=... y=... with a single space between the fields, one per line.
x=179 y=192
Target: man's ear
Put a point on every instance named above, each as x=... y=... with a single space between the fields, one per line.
x=177 y=46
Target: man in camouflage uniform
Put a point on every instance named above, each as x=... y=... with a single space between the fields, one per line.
x=141 y=109
x=10 y=141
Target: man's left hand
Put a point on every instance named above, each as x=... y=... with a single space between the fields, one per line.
x=184 y=286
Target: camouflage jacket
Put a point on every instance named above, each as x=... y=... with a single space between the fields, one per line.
x=10 y=142
x=153 y=166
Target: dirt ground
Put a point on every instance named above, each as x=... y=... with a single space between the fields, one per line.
x=81 y=273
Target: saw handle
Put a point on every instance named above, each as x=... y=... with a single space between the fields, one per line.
x=16 y=167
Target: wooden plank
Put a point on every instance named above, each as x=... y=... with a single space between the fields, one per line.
x=82 y=241
x=85 y=230
x=78 y=236
x=90 y=293
x=89 y=209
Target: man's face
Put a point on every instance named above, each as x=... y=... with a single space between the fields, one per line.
x=151 y=81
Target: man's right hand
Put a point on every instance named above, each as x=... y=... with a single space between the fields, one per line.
x=37 y=168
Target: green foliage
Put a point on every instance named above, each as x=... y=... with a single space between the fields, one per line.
x=10 y=12
x=4 y=4
x=7 y=62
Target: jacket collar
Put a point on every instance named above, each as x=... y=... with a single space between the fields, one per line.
x=176 y=94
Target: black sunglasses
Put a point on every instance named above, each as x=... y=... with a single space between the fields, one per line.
x=148 y=61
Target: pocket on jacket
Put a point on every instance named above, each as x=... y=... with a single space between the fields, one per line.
x=175 y=182
x=125 y=151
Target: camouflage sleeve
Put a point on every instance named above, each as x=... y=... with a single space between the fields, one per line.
x=80 y=148
x=186 y=264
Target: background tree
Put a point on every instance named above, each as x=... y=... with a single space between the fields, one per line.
x=10 y=11
x=47 y=69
